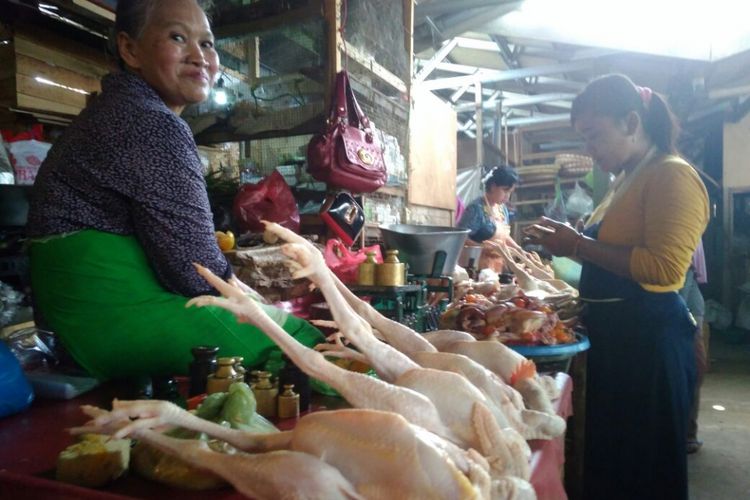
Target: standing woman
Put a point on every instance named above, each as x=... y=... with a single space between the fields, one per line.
x=120 y=211
x=635 y=251
x=487 y=217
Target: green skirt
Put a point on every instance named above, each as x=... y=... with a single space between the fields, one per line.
x=98 y=293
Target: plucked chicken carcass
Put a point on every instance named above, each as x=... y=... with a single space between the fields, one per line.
x=343 y=454
x=453 y=408
x=430 y=351
x=512 y=368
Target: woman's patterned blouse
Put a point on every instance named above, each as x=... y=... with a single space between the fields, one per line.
x=480 y=222
x=129 y=165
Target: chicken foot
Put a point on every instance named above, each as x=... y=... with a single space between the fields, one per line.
x=360 y=390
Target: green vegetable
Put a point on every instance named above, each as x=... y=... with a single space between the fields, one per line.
x=239 y=411
x=239 y=405
x=210 y=408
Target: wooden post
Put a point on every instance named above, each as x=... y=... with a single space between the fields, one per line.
x=252 y=55
x=332 y=11
x=480 y=125
x=409 y=42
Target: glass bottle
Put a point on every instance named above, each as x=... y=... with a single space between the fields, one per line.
x=203 y=365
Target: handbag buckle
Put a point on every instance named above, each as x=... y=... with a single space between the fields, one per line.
x=365 y=156
x=351 y=214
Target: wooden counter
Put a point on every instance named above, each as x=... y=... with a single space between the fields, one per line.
x=30 y=442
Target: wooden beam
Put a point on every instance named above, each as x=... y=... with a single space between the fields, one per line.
x=480 y=123
x=511 y=74
x=31 y=87
x=34 y=67
x=56 y=56
x=252 y=56
x=369 y=62
x=332 y=13
x=30 y=102
x=266 y=23
x=432 y=63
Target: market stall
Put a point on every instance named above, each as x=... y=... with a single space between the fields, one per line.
x=32 y=441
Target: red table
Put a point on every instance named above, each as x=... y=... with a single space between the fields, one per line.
x=548 y=457
x=31 y=441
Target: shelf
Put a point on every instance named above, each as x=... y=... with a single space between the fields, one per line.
x=262 y=16
x=524 y=185
x=393 y=191
x=540 y=201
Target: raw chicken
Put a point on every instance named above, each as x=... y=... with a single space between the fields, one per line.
x=332 y=454
x=452 y=408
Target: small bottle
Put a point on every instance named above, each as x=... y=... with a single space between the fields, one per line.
x=291 y=374
x=203 y=364
x=265 y=395
x=391 y=272
x=224 y=376
x=288 y=403
x=366 y=270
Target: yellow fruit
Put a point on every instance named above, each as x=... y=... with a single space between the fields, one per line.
x=225 y=240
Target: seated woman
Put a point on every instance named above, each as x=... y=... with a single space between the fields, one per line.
x=120 y=212
x=487 y=217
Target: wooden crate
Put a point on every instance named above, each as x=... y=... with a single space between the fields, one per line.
x=43 y=73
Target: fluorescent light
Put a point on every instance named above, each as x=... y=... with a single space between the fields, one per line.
x=691 y=30
x=59 y=85
x=718 y=408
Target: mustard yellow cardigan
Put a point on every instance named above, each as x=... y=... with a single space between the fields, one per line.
x=662 y=214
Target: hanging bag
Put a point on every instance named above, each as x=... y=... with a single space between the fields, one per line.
x=348 y=155
x=345 y=217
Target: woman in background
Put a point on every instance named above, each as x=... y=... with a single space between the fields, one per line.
x=487 y=218
x=635 y=251
x=120 y=211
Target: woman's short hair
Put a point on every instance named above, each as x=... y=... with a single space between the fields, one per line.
x=132 y=16
x=616 y=95
x=504 y=175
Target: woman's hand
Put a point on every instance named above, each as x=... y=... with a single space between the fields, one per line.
x=558 y=238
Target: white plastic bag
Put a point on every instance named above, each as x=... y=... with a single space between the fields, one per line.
x=6 y=170
x=27 y=157
x=556 y=209
x=579 y=203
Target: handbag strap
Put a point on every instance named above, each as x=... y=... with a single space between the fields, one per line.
x=345 y=108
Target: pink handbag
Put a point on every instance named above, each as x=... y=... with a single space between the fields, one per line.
x=347 y=156
x=344 y=262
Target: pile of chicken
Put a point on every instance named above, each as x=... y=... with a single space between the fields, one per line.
x=535 y=310
x=448 y=417
x=518 y=320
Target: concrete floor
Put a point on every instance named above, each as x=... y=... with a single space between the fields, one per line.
x=721 y=469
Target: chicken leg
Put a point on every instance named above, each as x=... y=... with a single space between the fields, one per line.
x=333 y=454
